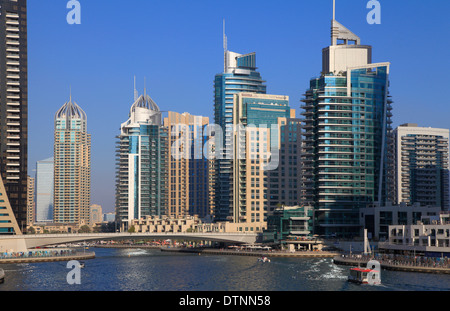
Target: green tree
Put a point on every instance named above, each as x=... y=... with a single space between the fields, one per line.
x=84 y=229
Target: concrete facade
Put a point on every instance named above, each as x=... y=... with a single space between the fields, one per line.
x=377 y=219
x=421 y=156
x=431 y=236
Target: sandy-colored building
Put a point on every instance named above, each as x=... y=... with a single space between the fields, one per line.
x=72 y=156
x=30 y=201
x=263 y=161
x=190 y=183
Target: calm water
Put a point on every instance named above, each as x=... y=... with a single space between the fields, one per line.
x=153 y=270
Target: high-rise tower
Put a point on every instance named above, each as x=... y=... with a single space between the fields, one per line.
x=72 y=165
x=14 y=105
x=240 y=75
x=261 y=155
x=189 y=186
x=141 y=163
x=347 y=114
x=44 y=190
x=421 y=157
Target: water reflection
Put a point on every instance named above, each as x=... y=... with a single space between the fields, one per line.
x=152 y=270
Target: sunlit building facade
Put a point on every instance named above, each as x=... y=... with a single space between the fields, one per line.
x=421 y=156
x=240 y=75
x=262 y=122
x=72 y=165
x=189 y=180
x=141 y=164
x=347 y=124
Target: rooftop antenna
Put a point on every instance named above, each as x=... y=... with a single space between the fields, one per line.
x=145 y=88
x=70 y=93
x=334 y=10
x=225 y=48
x=225 y=39
x=135 y=91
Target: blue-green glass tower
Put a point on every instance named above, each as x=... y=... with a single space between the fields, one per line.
x=141 y=156
x=240 y=75
x=347 y=125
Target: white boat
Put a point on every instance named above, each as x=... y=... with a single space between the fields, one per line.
x=264 y=259
x=368 y=275
x=359 y=275
x=2 y=276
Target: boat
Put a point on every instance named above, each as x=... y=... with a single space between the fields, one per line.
x=264 y=259
x=365 y=275
x=359 y=275
x=81 y=264
x=2 y=276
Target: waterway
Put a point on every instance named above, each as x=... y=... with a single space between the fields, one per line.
x=153 y=270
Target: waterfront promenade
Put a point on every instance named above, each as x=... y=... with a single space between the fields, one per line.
x=46 y=255
x=398 y=263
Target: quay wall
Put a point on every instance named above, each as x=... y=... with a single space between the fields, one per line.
x=302 y=254
x=86 y=256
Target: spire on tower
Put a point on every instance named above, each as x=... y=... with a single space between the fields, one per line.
x=136 y=95
x=334 y=9
x=340 y=32
x=225 y=39
x=145 y=88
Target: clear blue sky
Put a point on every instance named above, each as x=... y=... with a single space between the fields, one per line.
x=177 y=46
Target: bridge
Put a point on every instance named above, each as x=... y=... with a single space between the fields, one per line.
x=22 y=243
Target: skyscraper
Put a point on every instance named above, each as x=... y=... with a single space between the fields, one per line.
x=31 y=204
x=284 y=182
x=14 y=104
x=240 y=75
x=347 y=114
x=141 y=163
x=44 y=190
x=422 y=165
x=72 y=165
x=96 y=214
x=188 y=187
x=256 y=153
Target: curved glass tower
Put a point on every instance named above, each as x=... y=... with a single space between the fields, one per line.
x=347 y=121
x=141 y=156
x=239 y=75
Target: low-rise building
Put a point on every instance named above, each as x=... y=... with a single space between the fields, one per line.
x=429 y=237
x=42 y=227
x=377 y=219
x=231 y=227
x=162 y=224
x=289 y=225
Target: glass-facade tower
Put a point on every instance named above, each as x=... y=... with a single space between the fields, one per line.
x=141 y=163
x=240 y=75
x=346 y=125
x=44 y=190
